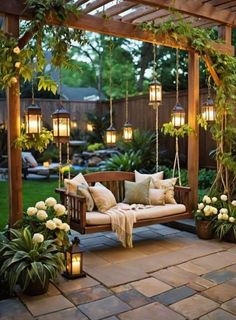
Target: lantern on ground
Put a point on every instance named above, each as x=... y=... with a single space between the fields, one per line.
x=127 y=132
x=111 y=136
x=208 y=110
x=74 y=261
x=178 y=115
x=61 y=125
x=33 y=119
x=155 y=93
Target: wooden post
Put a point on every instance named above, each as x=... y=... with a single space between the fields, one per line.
x=225 y=33
x=193 y=139
x=14 y=155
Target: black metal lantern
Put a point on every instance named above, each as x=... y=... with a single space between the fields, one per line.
x=127 y=132
x=155 y=93
x=74 y=261
x=111 y=136
x=178 y=115
x=208 y=110
x=61 y=125
x=33 y=119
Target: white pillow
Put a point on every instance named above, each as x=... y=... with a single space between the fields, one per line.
x=102 y=197
x=168 y=186
x=72 y=184
x=157 y=196
x=139 y=177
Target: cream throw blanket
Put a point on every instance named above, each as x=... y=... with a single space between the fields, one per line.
x=122 y=220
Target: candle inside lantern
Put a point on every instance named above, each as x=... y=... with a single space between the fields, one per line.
x=76 y=265
x=46 y=164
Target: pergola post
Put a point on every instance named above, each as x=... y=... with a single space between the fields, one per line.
x=193 y=139
x=13 y=126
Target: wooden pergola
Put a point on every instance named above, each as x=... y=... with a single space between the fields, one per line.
x=121 y=19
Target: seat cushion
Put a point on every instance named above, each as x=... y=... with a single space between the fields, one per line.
x=159 y=211
x=97 y=218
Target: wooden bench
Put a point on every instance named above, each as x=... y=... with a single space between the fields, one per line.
x=114 y=180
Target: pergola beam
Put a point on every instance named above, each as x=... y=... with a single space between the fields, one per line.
x=194 y=8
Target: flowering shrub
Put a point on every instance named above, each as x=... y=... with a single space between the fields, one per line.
x=220 y=211
x=47 y=221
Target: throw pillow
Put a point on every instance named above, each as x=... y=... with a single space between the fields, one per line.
x=82 y=190
x=137 y=192
x=139 y=177
x=103 y=197
x=168 y=186
x=72 y=184
x=29 y=159
x=157 y=196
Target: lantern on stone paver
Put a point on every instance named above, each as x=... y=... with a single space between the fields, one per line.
x=74 y=261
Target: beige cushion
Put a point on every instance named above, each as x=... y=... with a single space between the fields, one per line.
x=30 y=159
x=103 y=197
x=72 y=184
x=168 y=186
x=137 y=192
x=97 y=218
x=82 y=190
x=139 y=177
x=157 y=196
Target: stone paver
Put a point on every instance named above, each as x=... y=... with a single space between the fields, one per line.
x=151 y=287
x=230 y=306
x=39 y=305
x=133 y=298
x=174 y=276
x=11 y=309
x=201 y=284
x=218 y=314
x=151 y=311
x=174 y=295
x=72 y=314
x=88 y=294
x=71 y=285
x=220 y=276
x=221 y=292
x=194 y=307
x=103 y=308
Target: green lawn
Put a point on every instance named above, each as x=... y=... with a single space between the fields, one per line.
x=33 y=191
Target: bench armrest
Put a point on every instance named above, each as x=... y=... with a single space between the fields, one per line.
x=182 y=196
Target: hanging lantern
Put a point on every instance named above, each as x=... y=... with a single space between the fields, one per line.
x=178 y=115
x=33 y=119
x=155 y=93
x=61 y=125
x=208 y=110
x=74 y=261
x=111 y=136
x=89 y=127
x=127 y=132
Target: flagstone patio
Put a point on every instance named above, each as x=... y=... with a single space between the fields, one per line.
x=169 y=274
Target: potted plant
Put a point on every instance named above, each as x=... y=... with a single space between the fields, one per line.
x=205 y=216
x=29 y=261
x=225 y=225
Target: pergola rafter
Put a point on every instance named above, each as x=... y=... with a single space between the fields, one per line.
x=121 y=21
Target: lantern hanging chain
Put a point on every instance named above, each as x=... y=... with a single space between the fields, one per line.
x=110 y=80
x=60 y=87
x=32 y=87
x=157 y=141
x=176 y=161
x=126 y=100
x=154 y=62
x=177 y=75
x=209 y=86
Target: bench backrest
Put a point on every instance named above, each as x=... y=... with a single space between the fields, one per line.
x=113 y=180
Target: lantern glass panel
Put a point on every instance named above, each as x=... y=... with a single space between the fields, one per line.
x=208 y=110
x=89 y=127
x=155 y=93
x=61 y=127
x=178 y=119
x=33 y=123
x=111 y=136
x=127 y=132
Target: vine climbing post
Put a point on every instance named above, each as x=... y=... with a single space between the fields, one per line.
x=193 y=138
x=14 y=154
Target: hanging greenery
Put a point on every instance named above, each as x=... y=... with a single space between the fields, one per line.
x=23 y=56
x=169 y=128
x=224 y=129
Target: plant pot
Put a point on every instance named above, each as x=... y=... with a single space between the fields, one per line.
x=204 y=229
x=230 y=236
x=36 y=288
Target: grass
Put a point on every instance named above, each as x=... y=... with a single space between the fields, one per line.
x=33 y=191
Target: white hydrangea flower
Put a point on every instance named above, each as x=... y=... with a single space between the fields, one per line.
x=220 y=216
x=31 y=211
x=205 y=198
x=65 y=227
x=50 y=202
x=234 y=203
x=208 y=200
x=224 y=197
x=207 y=210
x=16 y=50
x=57 y=221
x=225 y=216
x=40 y=205
x=38 y=238
x=224 y=211
x=214 y=210
x=59 y=209
x=200 y=206
x=231 y=219
x=42 y=215
x=214 y=199
x=51 y=225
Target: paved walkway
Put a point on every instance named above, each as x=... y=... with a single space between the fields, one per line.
x=168 y=275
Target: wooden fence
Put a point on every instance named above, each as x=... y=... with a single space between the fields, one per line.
x=141 y=115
